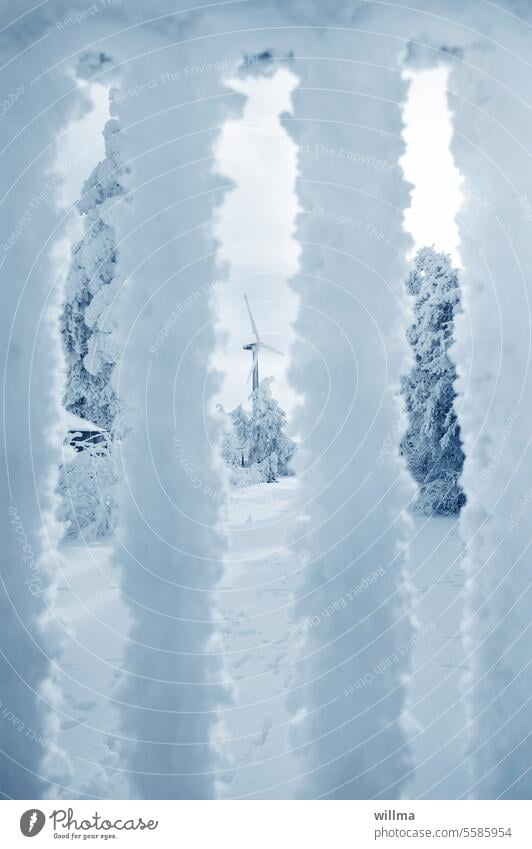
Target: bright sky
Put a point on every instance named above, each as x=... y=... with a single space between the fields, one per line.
x=428 y=163
x=256 y=233
x=82 y=146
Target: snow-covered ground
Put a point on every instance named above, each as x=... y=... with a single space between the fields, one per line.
x=94 y=624
x=255 y=612
x=435 y=687
x=256 y=609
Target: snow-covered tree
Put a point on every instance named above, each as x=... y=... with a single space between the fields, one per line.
x=257 y=441
x=269 y=446
x=432 y=445
x=86 y=324
x=236 y=438
x=86 y=481
x=86 y=486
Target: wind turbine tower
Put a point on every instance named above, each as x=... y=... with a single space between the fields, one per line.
x=254 y=347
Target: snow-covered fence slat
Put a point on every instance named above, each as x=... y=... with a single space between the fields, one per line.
x=493 y=120
x=167 y=545
x=351 y=350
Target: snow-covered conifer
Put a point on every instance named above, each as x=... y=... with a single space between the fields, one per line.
x=269 y=445
x=236 y=438
x=86 y=324
x=432 y=445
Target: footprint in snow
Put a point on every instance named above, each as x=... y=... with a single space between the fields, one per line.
x=266 y=728
x=69 y=724
x=85 y=706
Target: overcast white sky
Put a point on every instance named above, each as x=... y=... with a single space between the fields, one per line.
x=82 y=146
x=256 y=232
x=428 y=163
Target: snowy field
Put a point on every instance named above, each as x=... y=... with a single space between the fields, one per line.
x=256 y=611
x=255 y=622
x=255 y=604
x=255 y=619
x=94 y=622
x=255 y=608
x=435 y=687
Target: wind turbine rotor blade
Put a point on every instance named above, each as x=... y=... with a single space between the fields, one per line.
x=252 y=320
x=271 y=348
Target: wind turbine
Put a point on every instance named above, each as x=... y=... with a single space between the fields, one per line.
x=254 y=347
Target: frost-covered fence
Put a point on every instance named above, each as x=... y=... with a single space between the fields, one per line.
x=493 y=120
x=347 y=687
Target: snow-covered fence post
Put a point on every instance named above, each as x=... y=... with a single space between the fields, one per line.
x=493 y=122
x=166 y=541
x=351 y=349
x=34 y=111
